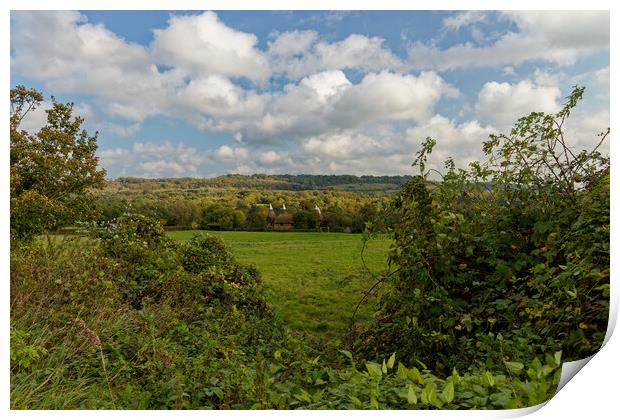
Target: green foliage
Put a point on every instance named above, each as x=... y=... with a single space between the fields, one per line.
x=145 y=256
x=242 y=203
x=51 y=170
x=203 y=252
x=117 y=322
x=24 y=353
x=256 y=218
x=315 y=385
x=153 y=268
x=306 y=219
x=504 y=261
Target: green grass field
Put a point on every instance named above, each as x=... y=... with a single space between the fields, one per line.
x=313 y=280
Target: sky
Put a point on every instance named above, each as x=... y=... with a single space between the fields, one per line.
x=200 y=94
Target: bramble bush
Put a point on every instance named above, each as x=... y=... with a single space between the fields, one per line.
x=517 y=246
x=116 y=321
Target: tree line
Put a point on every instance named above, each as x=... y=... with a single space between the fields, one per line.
x=301 y=182
x=238 y=209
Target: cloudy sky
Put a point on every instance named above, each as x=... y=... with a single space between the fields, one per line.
x=207 y=93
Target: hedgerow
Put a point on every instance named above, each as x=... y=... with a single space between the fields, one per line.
x=517 y=246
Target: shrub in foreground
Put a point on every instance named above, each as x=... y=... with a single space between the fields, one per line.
x=518 y=246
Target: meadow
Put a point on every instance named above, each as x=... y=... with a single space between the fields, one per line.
x=312 y=280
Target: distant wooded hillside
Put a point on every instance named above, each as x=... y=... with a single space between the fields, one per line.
x=270 y=182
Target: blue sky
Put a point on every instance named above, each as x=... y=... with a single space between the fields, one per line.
x=192 y=93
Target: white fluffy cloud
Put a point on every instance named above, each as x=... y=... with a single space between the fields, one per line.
x=34 y=120
x=202 y=45
x=343 y=146
x=385 y=151
x=74 y=57
x=87 y=59
x=558 y=37
x=583 y=128
x=294 y=109
x=288 y=44
x=299 y=54
x=390 y=96
x=502 y=103
x=153 y=160
x=214 y=102
x=231 y=154
x=596 y=82
x=328 y=101
x=462 y=142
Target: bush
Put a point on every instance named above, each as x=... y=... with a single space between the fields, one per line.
x=371 y=385
x=147 y=259
x=204 y=251
x=515 y=247
x=83 y=336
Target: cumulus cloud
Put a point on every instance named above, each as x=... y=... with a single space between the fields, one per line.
x=390 y=96
x=158 y=160
x=596 y=82
x=386 y=151
x=216 y=103
x=344 y=146
x=462 y=142
x=298 y=54
x=502 y=103
x=559 y=37
x=78 y=57
x=231 y=154
x=290 y=106
x=324 y=102
x=36 y=119
x=275 y=159
x=75 y=57
x=583 y=128
x=290 y=43
x=119 y=129
x=203 y=45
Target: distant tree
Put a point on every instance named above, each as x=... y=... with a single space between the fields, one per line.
x=337 y=219
x=238 y=219
x=306 y=219
x=182 y=212
x=217 y=216
x=307 y=204
x=110 y=207
x=53 y=170
x=366 y=213
x=256 y=218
